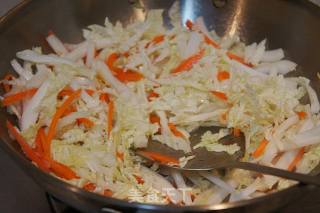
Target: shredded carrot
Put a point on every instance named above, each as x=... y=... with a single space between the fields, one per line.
x=152 y=95
x=45 y=146
x=159 y=157
x=43 y=162
x=120 y=155
x=104 y=97
x=220 y=95
x=296 y=160
x=126 y=54
x=238 y=58
x=153 y=118
x=187 y=64
x=69 y=110
x=67 y=91
x=60 y=111
x=189 y=24
x=107 y=192
x=89 y=186
x=87 y=123
x=260 y=149
x=156 y=40
x=11 y=99
x=122 y=74
x=223 y=75
x=90 y=92
x=302 y=115
x=128 y=76
x=63 y=171
x=35 y=157
x=110 y=60
x=175 y=131
x=209 y=41
x=7 y=87
x=236 y=132
x=38 y=142
x=139 y=179
x=110 y=117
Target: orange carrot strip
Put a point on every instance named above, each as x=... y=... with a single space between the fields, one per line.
x=238 y=58
x=175 y=131
x=302 y=115
x=223 y=75
x=159 y=157
x=70 y=110
x=220 y=95
x=126 y=54
x=152 y=95
x=260 y=149
x=207 y=39
x=104 y=97
x=156 y=40
x=296 y=160
x=139 y=179
x=60 y=111
x=121 y=74
x=89 y=186
x=110 y=117
x=85 y=122
x=67 y=91
x=128 y=76
x=110 y=60
x=154 y=119
x=11 y=99
x=7 y=87
x=107 y=192
x=45 y=146
x=38 y=142
x=120 y=155
x=189 y=24
x=236 y=132
x=43 y=163
x=33 y=156
x=211 y=42
x=90 y=91
x=189 y=62
x=63 y=171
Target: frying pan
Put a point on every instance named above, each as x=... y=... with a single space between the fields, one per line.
x=293 y=25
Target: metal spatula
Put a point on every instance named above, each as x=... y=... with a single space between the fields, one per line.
x=205 y=160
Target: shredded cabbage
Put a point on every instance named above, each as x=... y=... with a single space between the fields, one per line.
x=142 y=82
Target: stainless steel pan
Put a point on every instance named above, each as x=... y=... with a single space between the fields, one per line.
x=291 y=24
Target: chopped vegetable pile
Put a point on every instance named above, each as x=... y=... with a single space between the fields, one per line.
x=84 y=108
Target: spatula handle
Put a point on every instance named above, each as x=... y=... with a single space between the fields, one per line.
x=303 y=178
